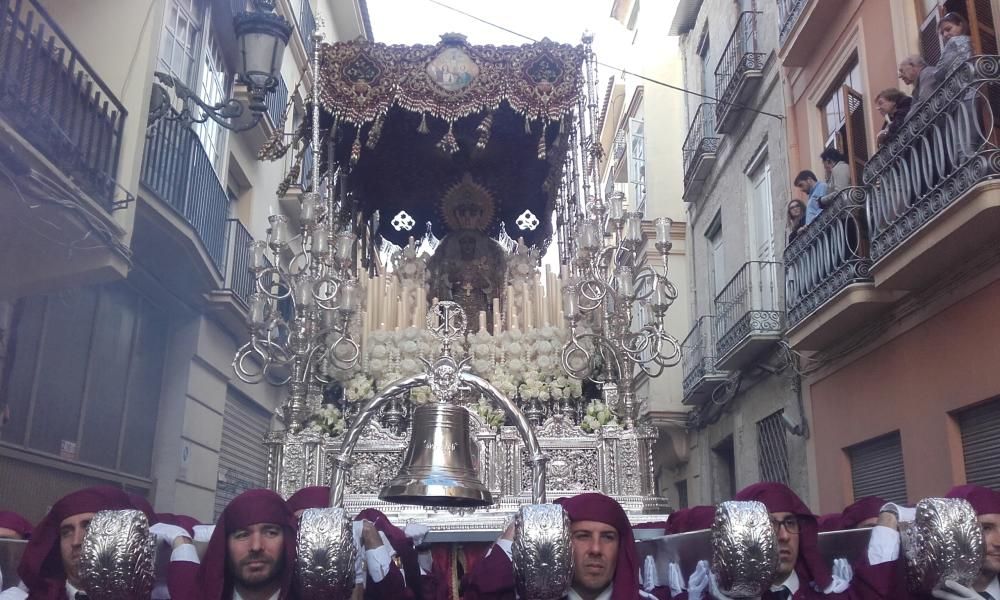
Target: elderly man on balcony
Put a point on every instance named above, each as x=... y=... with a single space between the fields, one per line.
x=914 y=71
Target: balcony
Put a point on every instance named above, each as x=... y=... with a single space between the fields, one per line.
x=307 y=24
x=739 y=72
x=933 y=197
x=238 y=280
x=699 y=151
x=176 y=169
x=828 y=284
x=804 y=23
x=277 y=102
x=701 y=378
x=748 y=316
x=56 y=102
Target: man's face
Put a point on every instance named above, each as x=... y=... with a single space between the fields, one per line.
x=806 y=185
x=991 y=541
x=828 y=166
x=257 y=555
x=71 y=533
x=786 y=529
x=595 y=554
x=908 y=72
x=9 y=534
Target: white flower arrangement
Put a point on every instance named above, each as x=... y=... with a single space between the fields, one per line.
x=493 y=417
x=327 y=420
x=598 y=415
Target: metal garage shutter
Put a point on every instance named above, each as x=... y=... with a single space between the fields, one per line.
x=877 y=468
x=242 y=457
x=981 y=443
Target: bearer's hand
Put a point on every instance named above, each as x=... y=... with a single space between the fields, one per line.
x=699 y=581
x=951 y=590
x=675 y=579
x=171 y=535
x=370 y=536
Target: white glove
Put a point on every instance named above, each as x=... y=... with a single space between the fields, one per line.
x=699 y=581
x=842 y=575
x=416 y=532
x=203 y=533
x=675 y=579
x=166 y=533
x=904 y=514
x=648 y=576
x=952 y=590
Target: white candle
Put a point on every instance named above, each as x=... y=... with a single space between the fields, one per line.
x=496 y=316
x=482 y=320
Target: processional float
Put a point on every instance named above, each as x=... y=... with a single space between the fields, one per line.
x=475 y=141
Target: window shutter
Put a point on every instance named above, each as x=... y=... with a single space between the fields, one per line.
x=980 y=428
x=772 y=448
x=877 y=468
x=930 y=43
x=855 y=140
x=984 y=35
x=242 y=457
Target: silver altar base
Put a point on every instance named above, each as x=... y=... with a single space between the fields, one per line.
x=614 y=461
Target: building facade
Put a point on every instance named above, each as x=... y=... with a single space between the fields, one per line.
x=893 y=289
x=746 y=415
x=125 y=263
x=638 y=123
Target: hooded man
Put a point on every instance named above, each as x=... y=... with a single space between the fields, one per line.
x=986 y=503
x=605 y=563
x=50 y=564
x=250 y=556
x=377 y=535
x=13 y=527
x=862 y=513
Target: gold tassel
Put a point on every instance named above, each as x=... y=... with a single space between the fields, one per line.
x=356 y=148
x=375 y=132
x=448 y=143
x=454 y=572
x=541 y=145
x=484 y=130
x=527 y=125
x=423 y=124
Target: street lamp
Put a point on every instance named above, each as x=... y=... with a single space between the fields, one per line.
x=261 y=35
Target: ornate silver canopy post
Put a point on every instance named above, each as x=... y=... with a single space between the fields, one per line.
x=321 y=561
x=944 y=543
x=307 y=293
x=116 y=561
x=744 y=549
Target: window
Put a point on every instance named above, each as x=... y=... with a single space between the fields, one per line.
x=844 y=120
x=682 y=493
x=213 y=89
x=637 y=164
x=108 y=345
x=979 y=14
x=179 y=43
x=772 y=448
x=980 y=427
x=707 y=68
x=877 y=468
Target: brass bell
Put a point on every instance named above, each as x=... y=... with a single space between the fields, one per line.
x=438 y=469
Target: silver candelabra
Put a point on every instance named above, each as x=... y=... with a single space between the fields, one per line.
x=306 y=295
x=611 y=336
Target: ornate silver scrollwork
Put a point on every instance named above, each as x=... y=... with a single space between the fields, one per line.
x=542 y=554
x=744 y=549
x=325 y=554
x=944 y=543
x=116 y=561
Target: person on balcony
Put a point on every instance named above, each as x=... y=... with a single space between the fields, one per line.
x=796 y=213
x=893 y=106
x=815 y=191
x=914 y=71
x=838 y=174
x=956 y=45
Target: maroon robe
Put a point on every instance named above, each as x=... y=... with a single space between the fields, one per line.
x=41 y=569
x=869 y=582
x=16 y=523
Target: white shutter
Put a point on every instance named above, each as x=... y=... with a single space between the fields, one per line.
x=981 y=443
x=877 y=468
x=242 y=457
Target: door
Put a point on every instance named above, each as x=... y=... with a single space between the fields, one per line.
x=762 y=240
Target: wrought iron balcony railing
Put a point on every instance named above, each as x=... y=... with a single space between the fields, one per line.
x=741 y=62
x=788 y=13
x=55 y=99
x=237 y=276
x=749 y=305
x=947 y=146
x=831 y=254
x=698 y=354
x=176 y=168
x=700 y=142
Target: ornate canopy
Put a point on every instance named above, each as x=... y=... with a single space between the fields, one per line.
x=410 y=123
